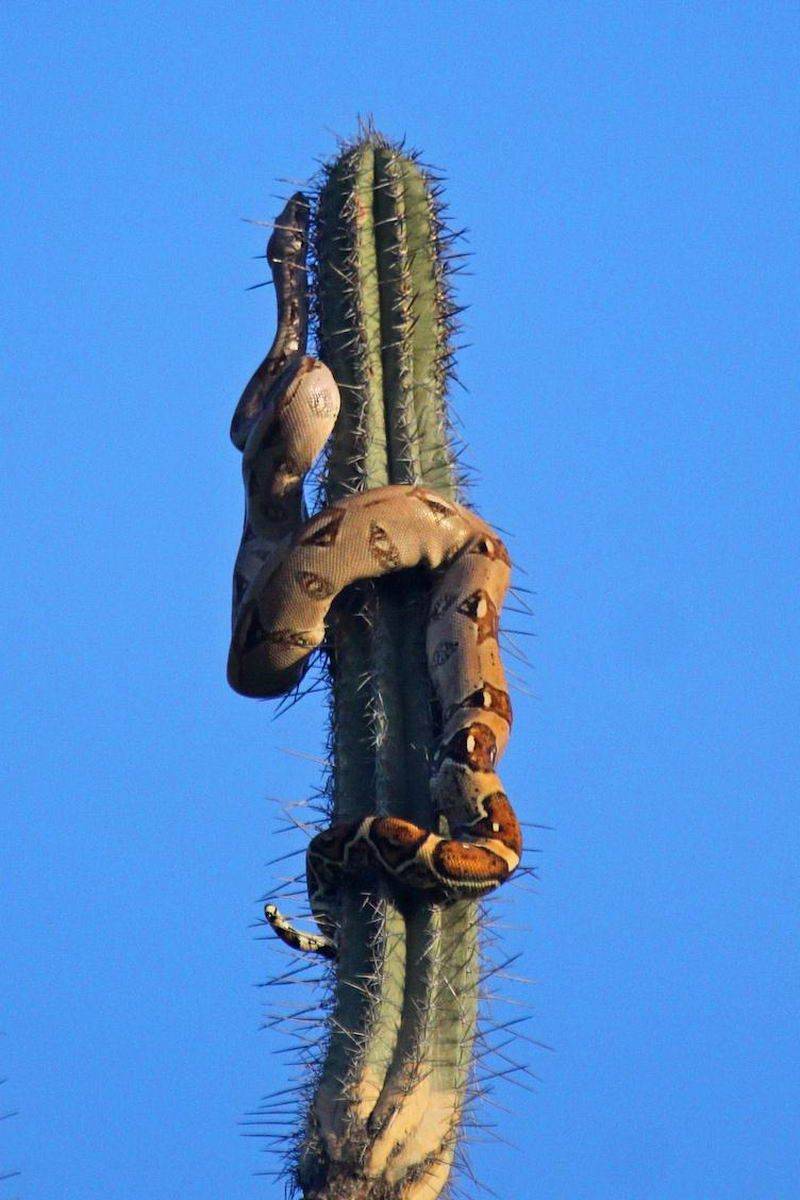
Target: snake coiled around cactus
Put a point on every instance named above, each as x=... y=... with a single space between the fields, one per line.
x=288 y=572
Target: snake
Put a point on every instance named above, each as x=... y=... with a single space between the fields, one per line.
x=290 y=568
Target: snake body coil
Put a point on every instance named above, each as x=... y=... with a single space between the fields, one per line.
x=289 y=570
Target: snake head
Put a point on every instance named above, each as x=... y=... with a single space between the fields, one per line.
x=288 y=244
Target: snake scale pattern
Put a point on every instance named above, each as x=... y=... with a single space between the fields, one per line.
x=290 y=568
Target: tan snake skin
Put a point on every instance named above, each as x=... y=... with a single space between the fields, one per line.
x=288 y=571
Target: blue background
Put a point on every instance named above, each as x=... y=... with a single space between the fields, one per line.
x=626 y=175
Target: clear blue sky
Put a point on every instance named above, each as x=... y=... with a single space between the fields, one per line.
x=627 y=173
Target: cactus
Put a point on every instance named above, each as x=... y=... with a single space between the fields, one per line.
x=390 y=1092
x=387 y=1098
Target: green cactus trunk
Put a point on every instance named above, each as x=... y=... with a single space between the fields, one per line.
x=391 y=1089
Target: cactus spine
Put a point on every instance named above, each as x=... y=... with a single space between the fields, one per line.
x=391 y=1088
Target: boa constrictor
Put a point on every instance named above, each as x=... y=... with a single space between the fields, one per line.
x=288 y=571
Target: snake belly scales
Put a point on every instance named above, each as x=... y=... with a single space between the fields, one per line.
x=290 y=568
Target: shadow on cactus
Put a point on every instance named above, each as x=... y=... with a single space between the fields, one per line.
x=400 y=587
